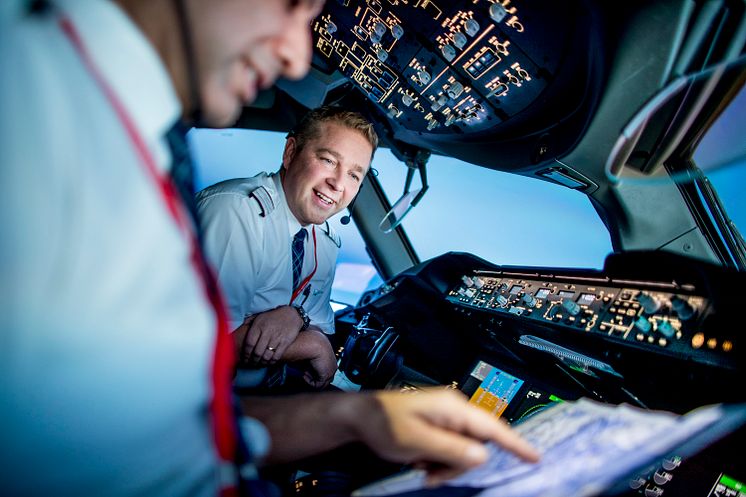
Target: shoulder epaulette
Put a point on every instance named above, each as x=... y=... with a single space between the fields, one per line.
x=327 y=229
x=264 y=199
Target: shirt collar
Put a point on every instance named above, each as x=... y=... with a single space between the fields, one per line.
x=129 y=63
x=293 y=224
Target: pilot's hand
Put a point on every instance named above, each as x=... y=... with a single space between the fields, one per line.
x=269 y=334
x=437 y=430
x=319 y=356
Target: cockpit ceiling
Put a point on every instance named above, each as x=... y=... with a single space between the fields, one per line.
x=457 y=77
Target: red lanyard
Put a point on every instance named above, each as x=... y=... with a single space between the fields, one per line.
x=224 y=427
x=307 y=279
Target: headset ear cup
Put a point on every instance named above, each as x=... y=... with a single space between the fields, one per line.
x=354 y=363
x=384 y=360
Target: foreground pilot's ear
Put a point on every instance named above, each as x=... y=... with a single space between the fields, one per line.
x=289 y=153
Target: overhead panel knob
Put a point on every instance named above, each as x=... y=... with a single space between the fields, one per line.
x=459 y=39
x=449 y=53
x=497 y=12
x=423 y=76
x=471 y=27
x=397 y=31
x=455 y=90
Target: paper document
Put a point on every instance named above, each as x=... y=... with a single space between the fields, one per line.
x=585 y=447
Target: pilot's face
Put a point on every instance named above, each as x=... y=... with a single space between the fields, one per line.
x=324 y=176
x=245 y=45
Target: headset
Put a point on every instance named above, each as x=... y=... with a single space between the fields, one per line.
x=370 y=356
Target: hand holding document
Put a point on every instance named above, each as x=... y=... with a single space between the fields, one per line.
x=586 y=447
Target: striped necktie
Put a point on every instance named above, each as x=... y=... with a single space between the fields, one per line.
x=298 y=250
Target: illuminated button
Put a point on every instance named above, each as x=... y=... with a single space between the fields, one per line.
x=640 y=337
x=698 y=340
x=397 y=31
x=712 y=343
x=625 y=304
x=662 y=342
x=449 y=53
x=497 y=12
x=471 y=292
x=606 y=299
x=631 y=312
x=331 y=28
x=651 y=339
x=612 y=310
x=459 y=39
x=471 y=27
x=727 y=346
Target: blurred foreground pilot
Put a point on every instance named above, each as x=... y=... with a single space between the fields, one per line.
x=115 y=360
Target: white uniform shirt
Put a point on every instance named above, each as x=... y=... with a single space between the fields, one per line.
x=249 y=245
x=106 y=337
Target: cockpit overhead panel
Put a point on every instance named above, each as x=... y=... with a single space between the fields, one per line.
x=439 y=69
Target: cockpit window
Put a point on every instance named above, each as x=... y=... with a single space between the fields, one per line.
x=722 y=157
x=504 y=218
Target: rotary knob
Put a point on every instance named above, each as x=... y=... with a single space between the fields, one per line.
x=682 y=308
x=650 y=304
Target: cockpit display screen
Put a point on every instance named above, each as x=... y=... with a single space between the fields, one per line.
x=491 y=388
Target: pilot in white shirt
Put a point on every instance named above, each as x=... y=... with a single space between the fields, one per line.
x=249 y=226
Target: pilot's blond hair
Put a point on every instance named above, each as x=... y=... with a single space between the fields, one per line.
x=308 y=128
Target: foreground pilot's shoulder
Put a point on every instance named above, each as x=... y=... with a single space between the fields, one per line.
x=331 y=235
x=257 y=193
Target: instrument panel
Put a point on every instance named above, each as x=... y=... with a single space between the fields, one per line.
x=663 y=317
